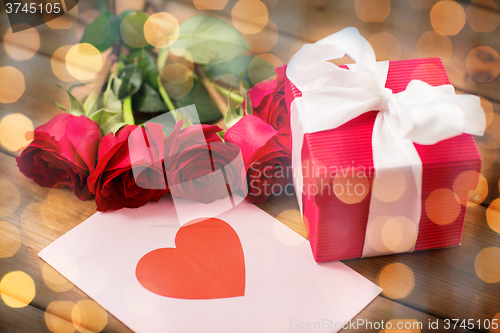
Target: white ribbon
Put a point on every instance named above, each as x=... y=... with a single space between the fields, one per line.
x=332 y=96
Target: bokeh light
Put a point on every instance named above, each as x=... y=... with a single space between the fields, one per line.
x=442 y=206
x=10 y=239
x=161 y=30
x=491 y=139
x=62 y=22
x=493 y=215
x=488 y=110
x=132 y=29
x=264 y=40
x=489 y=157
x=487 y=264
x=58 y=317
x=487 y=142
x=480 y=18
x=174 y=56
x=432 y=44
x=351 y=190
x=447 y=17
x=54 y=280
x=210 y=4
x=386 y=46
x=16 y=131
x=394 y=185
x=17 y=289
x=22 y=45
x=58 y=64
x=249 y=16
x=392 y=234
x=178 y=80
x=396 y=280
x=83 y=61
x=254 y=68
x=12 y=84
x=372 y=10
x=467 y=181
x=89 y=317
x=483 y=64
x=9 y=197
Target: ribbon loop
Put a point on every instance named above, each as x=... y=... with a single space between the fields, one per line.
x=384 y=95
x=332 y=96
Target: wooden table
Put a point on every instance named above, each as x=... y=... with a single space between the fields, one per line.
x=440 y=285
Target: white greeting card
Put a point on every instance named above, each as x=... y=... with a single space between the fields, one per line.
x=242 y=271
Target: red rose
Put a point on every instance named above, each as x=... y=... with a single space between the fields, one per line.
x=129 y=171
x=268 y=103
x=63 y=153
x=199 y=165
x=265 y=158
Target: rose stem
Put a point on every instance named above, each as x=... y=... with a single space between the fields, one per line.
x=234 y=96
x=128 y=115
x=164 y=95
x=216 y=97
x=207 y=83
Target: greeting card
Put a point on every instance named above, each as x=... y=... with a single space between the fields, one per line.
x=242 y=271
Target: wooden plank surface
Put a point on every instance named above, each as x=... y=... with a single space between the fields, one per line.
x=446 y=284
x=36 y=234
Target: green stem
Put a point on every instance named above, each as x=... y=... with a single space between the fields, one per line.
x=165 y=96
x=128 y=115
x=235 y=97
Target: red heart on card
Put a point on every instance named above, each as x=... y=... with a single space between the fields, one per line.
x=206 y=263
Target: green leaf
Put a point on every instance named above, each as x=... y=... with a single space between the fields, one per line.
x=132 y=29
x=116 y=85
x=111 y=101
x=76 y=107
x=102 y=33
x=149 y=70
x=261 y=69
x=60 y=106
x=107 y=119
x=117 y=127
x=199 y=96
x=209 y=40
x=131 y=80
x=148 y=100
x=232 y=67
x=221 y=135
x=128 y=113
x=180 y=116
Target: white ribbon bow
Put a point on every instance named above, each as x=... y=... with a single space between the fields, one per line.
x=423 y=114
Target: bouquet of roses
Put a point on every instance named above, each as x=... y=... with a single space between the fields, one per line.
x=129 y=135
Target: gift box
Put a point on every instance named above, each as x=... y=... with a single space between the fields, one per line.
x=334 y=171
